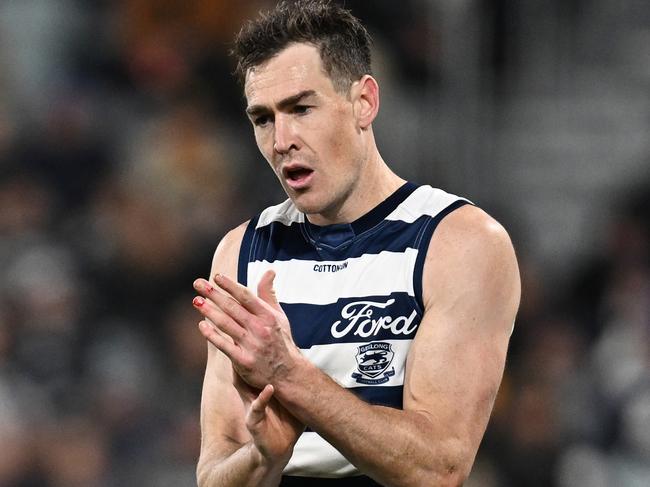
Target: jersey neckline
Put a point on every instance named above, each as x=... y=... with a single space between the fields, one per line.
x=337 y=234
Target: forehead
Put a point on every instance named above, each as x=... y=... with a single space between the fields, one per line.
x=296 y=68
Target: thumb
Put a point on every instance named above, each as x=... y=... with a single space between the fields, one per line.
x=257 y=411
x=265 y=289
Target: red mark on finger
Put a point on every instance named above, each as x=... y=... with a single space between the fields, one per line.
x=203 y=285
x=198 y=301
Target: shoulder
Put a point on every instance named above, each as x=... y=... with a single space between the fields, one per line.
x=284 y=213
x=470 y=252
x=466 y=228
x=226 y=255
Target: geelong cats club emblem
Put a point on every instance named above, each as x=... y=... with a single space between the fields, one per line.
x=373 y=361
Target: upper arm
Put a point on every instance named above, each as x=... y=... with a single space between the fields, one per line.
x=471 y=292
x=222 y=413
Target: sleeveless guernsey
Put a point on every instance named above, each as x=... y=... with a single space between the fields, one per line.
x=353 y=296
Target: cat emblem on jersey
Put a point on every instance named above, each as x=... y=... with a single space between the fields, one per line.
x=373 y=360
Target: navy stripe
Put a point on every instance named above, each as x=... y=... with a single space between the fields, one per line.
x=422 y=245
x=279 y=239
x=311 y=324
x=334 y=235
x=383 y=209
x=288 y=242
x=245 y=251
x=359 y=481
x=391 y=397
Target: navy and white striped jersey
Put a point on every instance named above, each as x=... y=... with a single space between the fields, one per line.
x=353 y=295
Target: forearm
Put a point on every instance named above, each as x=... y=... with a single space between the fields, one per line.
x=245 y=467
x=415 y=451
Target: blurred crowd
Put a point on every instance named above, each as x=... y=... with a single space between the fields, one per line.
x=124 y=158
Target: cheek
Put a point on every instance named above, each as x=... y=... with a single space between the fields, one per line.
x=343 y=144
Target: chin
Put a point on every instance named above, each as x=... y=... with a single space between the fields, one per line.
x=308 y=209
x=308 y=205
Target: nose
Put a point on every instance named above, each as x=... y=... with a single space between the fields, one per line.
x=284 y=137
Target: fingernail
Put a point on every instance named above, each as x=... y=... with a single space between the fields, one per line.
x=198 y=301
x=203 y=285
x=217 y=276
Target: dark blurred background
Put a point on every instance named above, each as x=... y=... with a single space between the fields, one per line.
x=125 y=156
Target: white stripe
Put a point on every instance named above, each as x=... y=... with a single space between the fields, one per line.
x=425 y=200
x=339 y=361
x=368 y=275
x=285 y=213
x=315 y=457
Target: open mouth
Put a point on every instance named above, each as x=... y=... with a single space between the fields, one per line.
x=298 y=177
x=298 y=174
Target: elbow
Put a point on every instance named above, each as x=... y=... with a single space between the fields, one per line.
x=451 y=478
x=454 y=476
x=448 y=470
x=454 y=472
x=455 y=479
x=200 y=476
x=202 y=473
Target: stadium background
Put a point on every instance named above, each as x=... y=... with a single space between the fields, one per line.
x=125 y=156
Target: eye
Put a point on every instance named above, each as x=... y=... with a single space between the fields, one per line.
x=301 y=109
x=261 y=120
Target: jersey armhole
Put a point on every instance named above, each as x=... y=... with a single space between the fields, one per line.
x=245 y=251
x=422 y=245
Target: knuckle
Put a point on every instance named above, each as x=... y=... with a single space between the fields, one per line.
x=265 y=333
x=246 y=364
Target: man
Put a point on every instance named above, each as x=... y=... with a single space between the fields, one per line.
x=358 y=347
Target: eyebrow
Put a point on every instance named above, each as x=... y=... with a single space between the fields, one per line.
x=282 y=104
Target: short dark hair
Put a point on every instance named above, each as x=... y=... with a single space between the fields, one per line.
x=342 y=41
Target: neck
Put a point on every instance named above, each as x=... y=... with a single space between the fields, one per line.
x=377 y=184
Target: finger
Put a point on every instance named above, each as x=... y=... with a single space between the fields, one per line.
x=242 y=294
x=230 y=349
x=220 y=319
x=265 y=289
x=225 y=302
x=258 y=406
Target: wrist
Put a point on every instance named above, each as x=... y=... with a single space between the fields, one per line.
x=266 y=464
x=296 y=380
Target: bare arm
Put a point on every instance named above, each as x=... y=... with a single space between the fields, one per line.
x=471 y=292
x=235 y=446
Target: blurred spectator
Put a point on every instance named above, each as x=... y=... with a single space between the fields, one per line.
x=74 y=453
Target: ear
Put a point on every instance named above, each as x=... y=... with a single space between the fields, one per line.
x=365 y=100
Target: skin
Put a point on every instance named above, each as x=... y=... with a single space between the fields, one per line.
x=259 y=391
x=327 y=131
